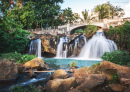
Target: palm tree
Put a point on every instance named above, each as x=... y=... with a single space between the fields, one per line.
x=85 y=14
x=101 y=10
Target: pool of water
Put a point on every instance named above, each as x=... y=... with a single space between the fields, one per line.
x=64 y=63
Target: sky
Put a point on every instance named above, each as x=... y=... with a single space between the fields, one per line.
x=80 y=5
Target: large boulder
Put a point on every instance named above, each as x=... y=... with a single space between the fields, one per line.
x=124 y=76
x=93 y=83
x=116 y=87
x=110 y=69
x=110 y=65
x=61 y=85
x=8 y=71
x=81 y=74
x=60 y=74
x=36 y=63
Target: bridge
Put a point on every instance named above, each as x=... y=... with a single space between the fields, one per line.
x=66 y=29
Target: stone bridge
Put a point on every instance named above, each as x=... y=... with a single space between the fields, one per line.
x=66 y=29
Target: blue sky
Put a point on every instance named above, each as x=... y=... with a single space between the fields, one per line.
x=79 y=5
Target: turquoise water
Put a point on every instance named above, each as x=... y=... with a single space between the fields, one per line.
x=64 y=63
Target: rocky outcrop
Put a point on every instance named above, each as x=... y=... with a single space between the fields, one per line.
x=47 y=45
x=109 y=69
x=93 y=83
x=8 y=71
x=81 y=74
x=36 y=63
x=60 y=74
x=61 y=85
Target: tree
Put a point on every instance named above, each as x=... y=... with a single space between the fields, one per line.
x=85 y=14
x=101 y=10
x=107 y=10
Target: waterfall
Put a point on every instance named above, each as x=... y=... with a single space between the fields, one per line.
x=60 y=51
x=96 y=46
x=35 y=47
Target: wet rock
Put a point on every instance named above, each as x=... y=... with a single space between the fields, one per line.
x=47 y=45
x=8 y=71
x=93 y=83
x=60 y=74
x=36 y=63
x=73 y=90
x=72 y=70
x=81 y=74
x=116 y=87
x=61 y=85
x=31 y=73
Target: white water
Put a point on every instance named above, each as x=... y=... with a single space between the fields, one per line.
x=96 y=46
x=35 y=47
x=60 y=52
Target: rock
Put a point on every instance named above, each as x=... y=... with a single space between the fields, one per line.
x=72 y=70
x=109 y=69
x=36 y=63
x=81 y=74
x=46 y=45
x=31 y=74
x=73 y=90
x=124 y=76
x=109 y=73
x=110 y=65
x=8 y=71
x=128 y=89
x=61 y=85
x=116 y=87
x=93 y=83
x=41 y=88
x=60 y=74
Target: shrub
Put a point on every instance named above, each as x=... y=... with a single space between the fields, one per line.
x=120 y=35
x=118 y=57
x=19 y=88
x=73 y=63
x=18 y=57
x=25 y=58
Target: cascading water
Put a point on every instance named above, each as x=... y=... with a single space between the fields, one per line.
x=60 y=51
x=76 y=45
x=35 y=47
x=96 y=46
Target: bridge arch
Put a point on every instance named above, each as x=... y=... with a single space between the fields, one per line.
x=72 y=30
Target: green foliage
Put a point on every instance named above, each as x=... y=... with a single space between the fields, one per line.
x=12 y=37
x=25 y=58
x=95 y=64
x=114 y=78
x=89 y=30
x=73 y=63
x=117 y=57
x=107 y=10
x=79 y=31
x=19 y=88
x=120 y=35
x=85 y=14
x=18 y=57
